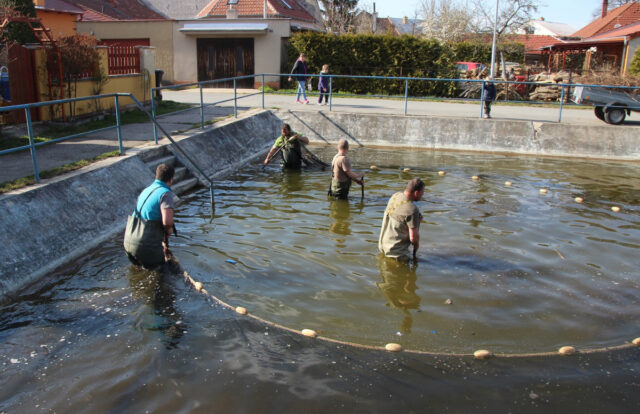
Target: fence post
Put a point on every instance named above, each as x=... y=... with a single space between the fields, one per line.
x=481 y=98
x=263 y=91
x=561 y=102
x=406 y=94
x=235 y=99
x=118 y=126
x=153 y=114
x=201 y=107
x=32 y=147
x=330 y=94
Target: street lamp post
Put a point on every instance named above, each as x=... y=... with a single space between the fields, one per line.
x=493 y=46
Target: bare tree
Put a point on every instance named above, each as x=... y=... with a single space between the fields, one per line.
x=445 y=20
x=338 y=15
x=512 y=15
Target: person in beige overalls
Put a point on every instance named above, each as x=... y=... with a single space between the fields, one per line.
x=401 y=222
x=341 y=173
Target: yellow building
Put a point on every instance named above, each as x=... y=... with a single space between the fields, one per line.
x=58 y=16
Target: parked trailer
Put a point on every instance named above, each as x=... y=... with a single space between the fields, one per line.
x=611 y=106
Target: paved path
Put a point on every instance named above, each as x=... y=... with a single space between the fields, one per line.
x=19 y=165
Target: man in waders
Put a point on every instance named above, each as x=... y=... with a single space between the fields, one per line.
x=341 y=173
x=290 y=145
x=148 y=228
x=401 y=222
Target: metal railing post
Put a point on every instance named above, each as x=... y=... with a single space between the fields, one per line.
x=32 y=147
x=153 y=114
x=235 y=99
x=263 y=87
x=561 y=102
x=118 y=129
x=406 y=94
x=330 y=94
x=481 y=99
x=201 y=107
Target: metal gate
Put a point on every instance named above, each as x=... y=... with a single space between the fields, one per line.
x=22 y=81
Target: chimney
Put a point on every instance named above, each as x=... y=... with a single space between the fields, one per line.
x=605 y=7
x=232 y=12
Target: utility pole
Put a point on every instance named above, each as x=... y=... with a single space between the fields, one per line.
x=493 y=47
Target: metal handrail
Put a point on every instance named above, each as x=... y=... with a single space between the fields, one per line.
x=32 y=145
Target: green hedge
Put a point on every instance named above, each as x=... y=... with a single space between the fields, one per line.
x=406 y=56
x=635 y=63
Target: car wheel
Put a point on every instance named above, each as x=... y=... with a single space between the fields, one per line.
x=615 y=116
x=599 y=111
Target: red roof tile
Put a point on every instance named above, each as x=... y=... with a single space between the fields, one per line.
x=93 y=16
x=118 y=9
x=631 y=29
x=254 y=8
x=623 y=16
x=533 y=43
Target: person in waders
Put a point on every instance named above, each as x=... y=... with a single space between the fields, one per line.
x=401 y=223
x=341 y=173
x=146 y=238
x=290 y=144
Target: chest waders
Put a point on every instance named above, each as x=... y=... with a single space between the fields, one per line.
x=292 y=155
x=338 y=189
x=143 y=239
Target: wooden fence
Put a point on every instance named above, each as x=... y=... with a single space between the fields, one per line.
x=123 y=60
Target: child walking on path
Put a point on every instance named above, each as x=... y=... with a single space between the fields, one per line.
x=323 y=85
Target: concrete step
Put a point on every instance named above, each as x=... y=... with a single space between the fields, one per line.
x=181 y=173
x=168 y=159
x=184 y=185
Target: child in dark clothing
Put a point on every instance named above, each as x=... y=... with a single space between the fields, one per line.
x=323 y=85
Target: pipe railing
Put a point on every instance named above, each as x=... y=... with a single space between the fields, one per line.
x=116 y=96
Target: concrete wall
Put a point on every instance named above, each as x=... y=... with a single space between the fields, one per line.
x=159 y=33
x=50 y=224
x=517 y=137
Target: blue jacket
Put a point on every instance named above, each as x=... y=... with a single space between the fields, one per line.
x=323 y=82
x=149 y=201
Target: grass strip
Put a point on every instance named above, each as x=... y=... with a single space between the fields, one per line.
x=30 y=180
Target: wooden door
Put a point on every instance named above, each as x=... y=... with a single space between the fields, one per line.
x=225 y=58
x=22 y=82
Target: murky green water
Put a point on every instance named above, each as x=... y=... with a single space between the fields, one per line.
x=525 y=272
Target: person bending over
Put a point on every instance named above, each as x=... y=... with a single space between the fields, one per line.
x=289 y=143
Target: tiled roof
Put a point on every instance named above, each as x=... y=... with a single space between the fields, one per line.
x=254 y=8
x=93 y=16
x=623 y=16
x=59 y=6
x=631 y=29
x=117 y=9
x=533 y=43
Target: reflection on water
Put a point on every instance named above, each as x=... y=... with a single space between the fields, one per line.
x=399 y=286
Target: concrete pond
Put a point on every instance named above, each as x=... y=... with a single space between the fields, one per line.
x=503 y=266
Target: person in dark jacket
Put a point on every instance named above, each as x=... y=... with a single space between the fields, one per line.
x=488 y=96
x=323 y=85
x=299 y=72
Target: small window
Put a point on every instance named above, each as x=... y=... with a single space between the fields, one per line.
x=286 y=4
x=232 y=1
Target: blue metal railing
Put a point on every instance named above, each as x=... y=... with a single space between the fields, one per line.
x=116 y=96
x=564 y=89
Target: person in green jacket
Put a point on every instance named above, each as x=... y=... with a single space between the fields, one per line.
x=290 y=145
